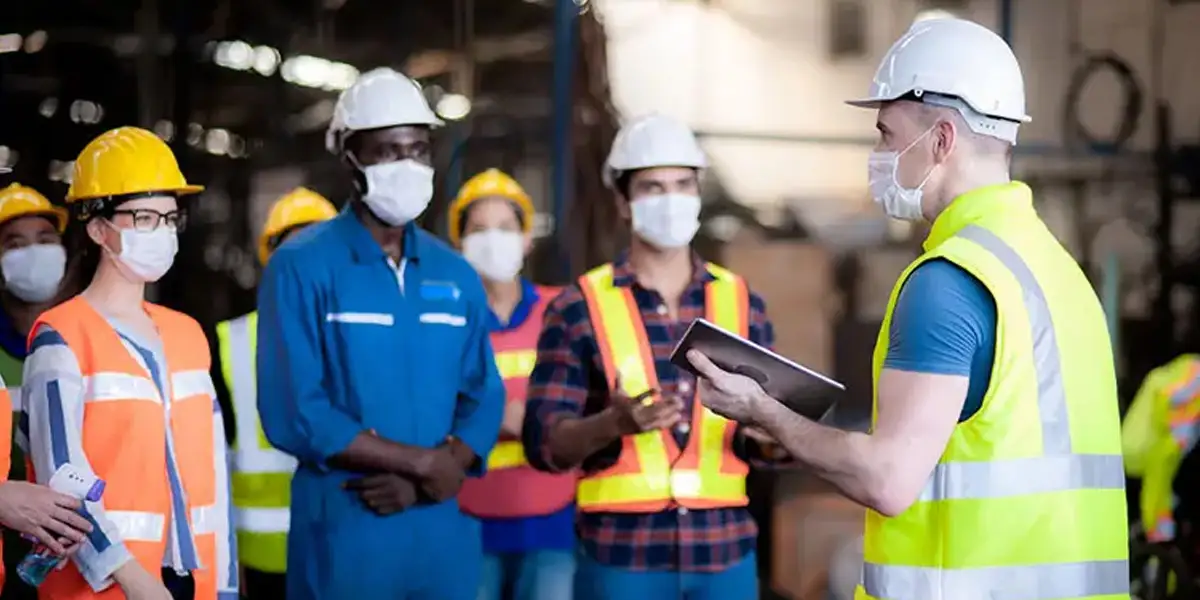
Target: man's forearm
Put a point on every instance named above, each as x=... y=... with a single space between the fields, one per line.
x=571 y=440
x=370 y=453
x=842 y=458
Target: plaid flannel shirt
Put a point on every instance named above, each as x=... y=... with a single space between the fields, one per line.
x=569 y=381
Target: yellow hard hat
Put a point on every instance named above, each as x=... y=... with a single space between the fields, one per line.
x=492 y=182
x=17 y=200
x=126 y=160
x=300 y=206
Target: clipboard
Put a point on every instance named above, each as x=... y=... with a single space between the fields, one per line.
x=801 y=389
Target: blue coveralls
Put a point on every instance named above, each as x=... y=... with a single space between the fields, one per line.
x=343 y=349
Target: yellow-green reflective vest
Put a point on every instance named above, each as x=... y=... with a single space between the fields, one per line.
x=262 y=475
x=1028 y=499
x=1159 y=430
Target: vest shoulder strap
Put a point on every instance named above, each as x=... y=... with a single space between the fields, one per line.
x=184 y=341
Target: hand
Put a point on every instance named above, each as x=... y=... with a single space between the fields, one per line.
x=759 y=436
x=384 y=493
x=514 y=417
x=642 y=413
x=728 y=394
x=43 y=513
x=440 y=473
x=138 y=584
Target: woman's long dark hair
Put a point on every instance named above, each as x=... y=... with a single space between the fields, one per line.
x=83 y=257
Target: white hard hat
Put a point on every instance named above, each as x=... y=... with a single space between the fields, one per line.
x=379 y=98
x=653 y=140
x=958 y=59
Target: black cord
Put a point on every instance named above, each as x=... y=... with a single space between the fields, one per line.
x=1130 y=115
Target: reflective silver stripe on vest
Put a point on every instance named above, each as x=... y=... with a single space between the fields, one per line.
x=1057 y=469
x=1052 y=398
x=1023 y=476
x=1024 y=582
x=250 y=456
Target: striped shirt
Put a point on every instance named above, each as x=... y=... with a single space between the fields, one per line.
x=52 y=427
x=569 y=381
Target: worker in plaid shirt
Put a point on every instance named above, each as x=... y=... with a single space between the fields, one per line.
x=662 y=499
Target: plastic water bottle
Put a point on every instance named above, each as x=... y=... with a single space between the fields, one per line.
x=40 y=561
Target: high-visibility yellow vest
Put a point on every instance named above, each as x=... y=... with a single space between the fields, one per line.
x=1158 y=431
x=262 y=475
x=1028 y=498
x=652 y=472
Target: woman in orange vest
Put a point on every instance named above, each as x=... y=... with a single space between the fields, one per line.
x=120 y=388
x=528 y=516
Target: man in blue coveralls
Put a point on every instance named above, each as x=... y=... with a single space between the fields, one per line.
x=375 y=371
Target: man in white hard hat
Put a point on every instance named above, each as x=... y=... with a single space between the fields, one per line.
x=375 y=371
x=663 y=493
x=993 y=467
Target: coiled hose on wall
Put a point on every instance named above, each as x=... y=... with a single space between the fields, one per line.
x=1077 y=133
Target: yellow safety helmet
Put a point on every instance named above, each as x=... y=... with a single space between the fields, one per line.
x=17 y=200
x=124 y=161
x=492 y=182
x=300 y=206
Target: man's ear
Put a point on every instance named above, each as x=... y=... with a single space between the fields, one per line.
x=945 y=139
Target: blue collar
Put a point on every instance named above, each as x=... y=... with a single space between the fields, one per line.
x=364 y=247
x=524 y=308
x=11 y=340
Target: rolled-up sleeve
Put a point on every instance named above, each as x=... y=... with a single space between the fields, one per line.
x=559 y=383
x=297 y=415
x=227 y=558
x=480 y=406
x=53 y=396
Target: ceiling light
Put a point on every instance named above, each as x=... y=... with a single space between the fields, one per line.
x=454 y=107
x=10 y=42
x=35 y=41
x=933 y=13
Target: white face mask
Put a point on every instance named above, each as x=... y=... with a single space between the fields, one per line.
x=33 y=273
x=398 y=192
x=666 y=220
x=147 y=255
x=497 y=254
x=897 y=201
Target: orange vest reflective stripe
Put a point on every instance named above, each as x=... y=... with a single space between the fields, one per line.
x=124 y=438
x=511 y=488
x=652 y=473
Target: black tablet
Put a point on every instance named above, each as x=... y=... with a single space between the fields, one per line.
x=800 y=388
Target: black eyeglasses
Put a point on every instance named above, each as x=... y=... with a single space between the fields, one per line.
x=145 y=219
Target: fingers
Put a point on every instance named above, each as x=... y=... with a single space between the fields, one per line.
x=758 y=435
x=66 y=501
x=74 y=520
x=48 y=540
x=703 y=365
x=63 y=526
x=367 y=483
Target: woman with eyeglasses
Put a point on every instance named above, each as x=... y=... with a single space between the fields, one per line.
x=120 y=388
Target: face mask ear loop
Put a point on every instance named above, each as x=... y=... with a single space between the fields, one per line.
x=896 y=165
x=360 y=173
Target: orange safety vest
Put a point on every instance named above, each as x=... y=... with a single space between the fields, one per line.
x=511 y=488
x=651 y=473
x=124 y=438
x=6 y=408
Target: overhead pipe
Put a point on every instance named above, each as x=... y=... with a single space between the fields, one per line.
x=1005 y=21
x=566 y=13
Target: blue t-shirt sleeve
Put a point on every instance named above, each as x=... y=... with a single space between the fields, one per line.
x=944 y=322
